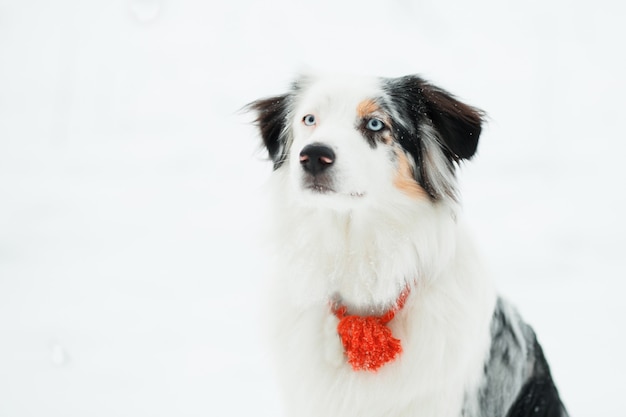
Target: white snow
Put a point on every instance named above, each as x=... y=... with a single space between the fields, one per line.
x=130 y=186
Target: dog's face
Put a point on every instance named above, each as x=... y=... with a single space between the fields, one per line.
x=350 y=141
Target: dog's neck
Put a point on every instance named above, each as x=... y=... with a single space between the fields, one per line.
x=366 y=257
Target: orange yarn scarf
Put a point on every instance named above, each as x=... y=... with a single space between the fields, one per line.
x=367 y=341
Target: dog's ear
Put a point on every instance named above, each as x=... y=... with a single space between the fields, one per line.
x=459 y=125
x=435 y=128
x=271 y=114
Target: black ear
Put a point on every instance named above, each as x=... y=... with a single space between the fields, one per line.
x=271 y=115
x=458 y=124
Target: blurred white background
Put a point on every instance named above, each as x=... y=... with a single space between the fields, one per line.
x=130 y=185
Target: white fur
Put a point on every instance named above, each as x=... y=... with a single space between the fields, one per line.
x=365 y=243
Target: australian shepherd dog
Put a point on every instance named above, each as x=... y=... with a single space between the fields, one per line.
x=380 y=304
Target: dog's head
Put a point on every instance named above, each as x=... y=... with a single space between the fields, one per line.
x=346 y=141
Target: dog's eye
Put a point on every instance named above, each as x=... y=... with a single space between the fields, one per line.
x=375 y=125
x=309 y=120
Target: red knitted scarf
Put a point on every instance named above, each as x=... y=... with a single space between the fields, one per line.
x=367 y=341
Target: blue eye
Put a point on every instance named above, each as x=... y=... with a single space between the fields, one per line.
x=374 y=125
x=309 y=120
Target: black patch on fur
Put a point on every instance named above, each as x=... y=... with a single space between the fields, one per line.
x=458 y=124
x=539 y=396
x=271 y=119
x=407 y=102
x=417 y=103
x=517 y=380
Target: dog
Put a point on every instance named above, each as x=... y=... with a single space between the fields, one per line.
x=380 y=304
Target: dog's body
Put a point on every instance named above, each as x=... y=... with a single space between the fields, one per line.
x=365 y=206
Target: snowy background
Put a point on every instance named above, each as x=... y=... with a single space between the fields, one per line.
x=130 y=185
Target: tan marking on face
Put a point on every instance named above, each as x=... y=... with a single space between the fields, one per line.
x=387 y=138
x=366 y=108
x=369 y=108
x=404 y=180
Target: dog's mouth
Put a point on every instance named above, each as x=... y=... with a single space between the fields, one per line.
x=324 y=189
x=319 y=188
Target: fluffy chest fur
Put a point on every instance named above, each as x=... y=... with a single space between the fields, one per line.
x=444 y=326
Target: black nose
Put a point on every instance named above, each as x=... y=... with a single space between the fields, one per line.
x=315 y=158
